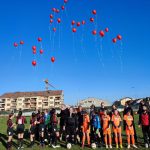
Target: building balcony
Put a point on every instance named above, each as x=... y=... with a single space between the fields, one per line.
x=26 y=101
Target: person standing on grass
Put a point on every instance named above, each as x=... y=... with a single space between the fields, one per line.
x=116 y=122
x=128 y=119
x=10 y=132
x=20 y=121
x=144 y=122
x=126 y=110
x=32 y=129
x=106 y=129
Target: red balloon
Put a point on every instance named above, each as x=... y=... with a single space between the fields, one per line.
x=92 y=19
x=62 y=7
x=41 y=51
x=94 y=12
x=15 y=44
x=83 y=22
x=101 y=33
x=34 y=63
x=52 y=59
x=51 y=21
x=58 y=20
x=51 y=16
x=78 y=24
x=54 y=9
x=21 y=42
x=39 y=39
x=106 y=29
x=119 y=37
x=74 y=30
x=94 y=32
x=34 y=51
x=114 y=40
x=54 y=29
x=57 y=10
x=34 y=48
x=73 y=22
x=65 y=1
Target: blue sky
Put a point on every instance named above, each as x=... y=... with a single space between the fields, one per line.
x=121 y=69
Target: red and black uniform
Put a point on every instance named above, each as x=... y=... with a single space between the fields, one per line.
x=20 y=121
x=10 y=127
x=33 y=125
x=42 y=123
x=144 y=121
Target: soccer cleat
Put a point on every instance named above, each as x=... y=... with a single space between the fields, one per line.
x=53 y=146
x=106 y=146
x=117 y=146
x=57 y=146
x=146 y=145
x=128 y=147
x=134 y=146
x=110 y=146
x=121 y=146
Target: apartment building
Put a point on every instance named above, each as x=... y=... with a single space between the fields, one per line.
x=31 y=100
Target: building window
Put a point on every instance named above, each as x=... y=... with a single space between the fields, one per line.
x=8 y=104
x=39 y=103
x=51 y=97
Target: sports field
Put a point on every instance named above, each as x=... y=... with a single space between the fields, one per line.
x=3 y=136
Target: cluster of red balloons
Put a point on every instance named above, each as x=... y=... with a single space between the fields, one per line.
x=16 y=44
x=119 y=37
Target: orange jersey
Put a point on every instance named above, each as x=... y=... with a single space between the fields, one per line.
x=128 y=120
x=86 y=121
x=116 y=120
x=105 y=121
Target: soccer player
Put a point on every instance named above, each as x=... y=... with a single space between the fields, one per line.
x=129 y=128
x=86 y=129
x=20 y=121
x=116 y=122
x=106 y=129
x=144 y=122
x=32 y=129
x=10 y=126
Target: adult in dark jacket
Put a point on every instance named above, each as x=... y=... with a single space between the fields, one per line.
x=127 y=109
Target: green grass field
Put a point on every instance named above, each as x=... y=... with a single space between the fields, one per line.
x=3 y=136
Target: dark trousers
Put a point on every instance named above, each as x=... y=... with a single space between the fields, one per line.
x=146 y=134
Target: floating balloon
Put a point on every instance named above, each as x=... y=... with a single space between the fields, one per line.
x=114 y=40
x=106 y=29
x=34 y=63
x=34 y=48
x=65 y=1
x=74 y=30
x=94 y=32
x=15 y=44
x=51 y=21
x=39 y=39
x=57 y=11
x=41 y=51
x=92 y=19
x=54 y=9
x=58 y=20
x=73 y=22
x=78 y=24
x=94 y=12
x=51 y=16
x=21 y=42
x=83 y=22
x=53 y=59
x=119 y=37
x=62 y=7
x=101 y=33
x=54 y=29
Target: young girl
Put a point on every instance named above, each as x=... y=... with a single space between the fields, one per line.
x=129 y=129
x=86 y=129
x=116 y=122
x=20 y=121
x=106 y=129
x=10 y=126
x=33 y=122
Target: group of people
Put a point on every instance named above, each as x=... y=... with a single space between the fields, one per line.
x=77 y=126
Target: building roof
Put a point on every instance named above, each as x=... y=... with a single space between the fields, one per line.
x=32 y=94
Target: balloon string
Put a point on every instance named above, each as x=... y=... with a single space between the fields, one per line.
x=20 y=52
x=121 y=54
x=82 y=42
x=74 y=53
